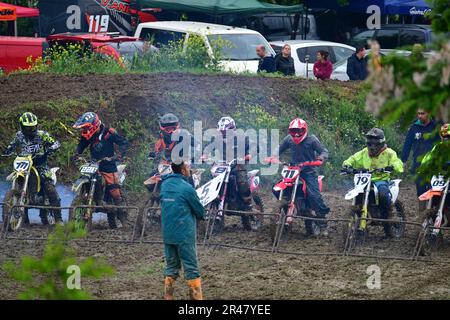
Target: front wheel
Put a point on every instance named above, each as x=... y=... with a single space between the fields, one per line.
x=12 y=216
x=278 y=218
x=81 y=217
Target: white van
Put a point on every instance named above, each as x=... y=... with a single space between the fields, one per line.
x=240 y=56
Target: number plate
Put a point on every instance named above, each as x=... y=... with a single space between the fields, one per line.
x=288 y=173
x=362 y=179
x=21 y=165
x=438 y=183
x=88 y=169
x=209 y=191
x=218 y=170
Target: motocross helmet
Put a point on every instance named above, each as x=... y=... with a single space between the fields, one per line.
x=89 y=123
x=298 y=130
x=28 y=124
x=169 y=123
x=445 y=132
x=225 y=124
x=376 y=141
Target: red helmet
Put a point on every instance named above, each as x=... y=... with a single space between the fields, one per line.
x=89 y=123
x=298 y=129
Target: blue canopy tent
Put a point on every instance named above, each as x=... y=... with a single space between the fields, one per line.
x=413 y=8
x=402 y=7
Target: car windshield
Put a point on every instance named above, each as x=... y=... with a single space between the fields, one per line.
x=238 y=46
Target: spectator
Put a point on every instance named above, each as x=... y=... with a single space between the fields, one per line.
x=180 y=208
x=357 y=65
x=420 y=145
x=322 y=67
x=284 y=62
x=266 y=62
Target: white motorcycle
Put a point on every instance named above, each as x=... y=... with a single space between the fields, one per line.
x=221 y=196
x=437 y=214
x=365 y=207
x=26 y=189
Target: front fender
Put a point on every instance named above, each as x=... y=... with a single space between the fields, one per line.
x=79 y=183
x=353 y=193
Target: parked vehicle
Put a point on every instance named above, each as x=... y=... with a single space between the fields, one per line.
x=19 y=52
x=437 y=214
x=304 y=54
x=221 y=196
x=239 y=53
x=25 y=190
x=392 y=36
x=293 y=201
x=364 y=197
x=89 y=190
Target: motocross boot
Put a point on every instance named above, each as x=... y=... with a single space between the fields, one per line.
x=195 y=289
x=169 y=287
x=323 y=224
x=387 y=226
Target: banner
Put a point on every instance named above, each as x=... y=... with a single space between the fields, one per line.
x=7 y=14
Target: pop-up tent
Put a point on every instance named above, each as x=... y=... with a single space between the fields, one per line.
x=10 y=12
x=220 y=7
x=402 y=7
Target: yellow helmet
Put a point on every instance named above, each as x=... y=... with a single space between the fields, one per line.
x=28 y=124
x=28 y=119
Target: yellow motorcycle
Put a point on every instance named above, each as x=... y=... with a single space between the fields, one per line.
x=26 y=190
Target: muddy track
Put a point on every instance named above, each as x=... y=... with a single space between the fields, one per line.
x=230 y=273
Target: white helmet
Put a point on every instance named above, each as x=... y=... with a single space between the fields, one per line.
x=225 y=124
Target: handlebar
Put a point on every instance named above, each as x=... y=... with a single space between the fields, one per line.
x=350 y=170
x=315 y=163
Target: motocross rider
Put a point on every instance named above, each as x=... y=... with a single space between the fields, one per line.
x=40 y=144
x=169 y=124
x=228 y=136
x=101 y=140
x=306 y=147
x=377 y=156
x=430 y=158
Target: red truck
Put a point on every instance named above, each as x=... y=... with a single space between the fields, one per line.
x=15 y=52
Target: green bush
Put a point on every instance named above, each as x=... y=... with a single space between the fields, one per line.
x=48 y=277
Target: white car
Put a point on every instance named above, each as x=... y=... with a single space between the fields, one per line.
x=239 y=53
x=304 y=54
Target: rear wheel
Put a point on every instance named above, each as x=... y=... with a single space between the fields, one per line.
x=81 y=217
x=431 y=241
x=396 y=230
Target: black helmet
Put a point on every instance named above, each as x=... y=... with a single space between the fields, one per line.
x=168 y=123
x=376 y=141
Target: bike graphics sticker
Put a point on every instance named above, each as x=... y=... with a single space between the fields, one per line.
x=209 y=191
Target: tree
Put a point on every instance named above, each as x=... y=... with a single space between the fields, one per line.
x=405 y=84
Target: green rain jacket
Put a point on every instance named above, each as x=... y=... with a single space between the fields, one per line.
x=386 y=158
x=180 y=207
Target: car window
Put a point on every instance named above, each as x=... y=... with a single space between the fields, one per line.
x=411 y=37
x=388 y=39
x=238 y=46
x=342 y=53
x=161 y=37
x=277 y=49
x=361 y=38
x=311 y=52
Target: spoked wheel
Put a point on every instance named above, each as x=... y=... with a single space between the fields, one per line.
x=351 y=233
x=396 y=230
x=81 y=217
x=431 y=241
x=213 y=224
x=255 y=221
x=149 y=219
x=275 y=222
x=13 y=216
x=47 y=217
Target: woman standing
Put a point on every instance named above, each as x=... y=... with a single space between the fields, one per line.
x=322 y=67
x=284 y=62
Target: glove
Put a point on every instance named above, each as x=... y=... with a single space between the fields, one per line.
x=272 y=159
x=152 y=155
x=389 y=168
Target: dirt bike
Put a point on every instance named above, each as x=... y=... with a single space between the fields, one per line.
x=361 y=214
x=221 y=196
x=26 y=189
x=295 y=204
x=437 y=214
x=150 y=217
x=89 y=190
